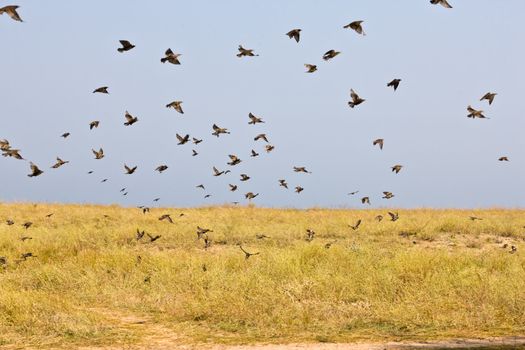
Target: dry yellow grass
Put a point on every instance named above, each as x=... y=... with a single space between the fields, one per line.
x=432 y=274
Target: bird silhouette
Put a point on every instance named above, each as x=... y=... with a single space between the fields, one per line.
x=353 y=193
x=282 y=183
x=59 y=163
x=35 y=171
x=244 y=177
x=182 y=139
x=234 y=160
x=27 y=224
x=11 y=12
x=245 y=52
x=310 y=235
x=489 y=96
x=328 y=55
x=153 y=238
x=443 y=3
x=166 y=217
x=379 y=218
x=176 y=105
x=474 y=113
x=254 y=154
x=295 y=34
x=356 y=26
x=216 y=172
x=356 y=226
x=269 y=148
x=196 y=141
x=261 y=137
x=365 y=200
x=246 y=254
x=9 y=222
x=171 y=57
x=387 y=195
x=379 y=142
x=299 y=189
x=139 y=234
x=130 y=170
x=161 y=168
x=218 y=130
x=310 y=68
x=200 y=186
x=394 y=83
x=251 y=195
x=194 y=153
x=94 y=124
x=254 y=119
x=126 y=46
x=98 y=154
x=503 y=159
x=396 y=168
x=130 y=120
x=301 y=169
x=65 y=135
x=233 y=188
x=101 y=90
x=356 y=100
x=393 y=216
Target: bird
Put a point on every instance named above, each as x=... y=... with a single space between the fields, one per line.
x=176 y=105
x=489 y=96
x=153 y=238
x=27 y=224
x=130 y=120
x=9 y=222
x=244 y=177
x=245 y=52
x=196 y=141
x=356 y=26
x=194 y=152
x=218 y=130
x=59 y=163
x=379 y=218
x=246 y=254
x=35 y=171
x=503 y=159
x=261 y=137
x=207 y=196
x=473 y=113
x=301 y=169
x=474 y=218
x=394 y=83
x=250 y=195
x=98 y=154
x=356 y=100
x=233 y=188
x=387 y=195
x=126 y=46
x=216 y=172
x=254 y=119
x=24 y=256
x=129 y=170
x=329 y=244
x=443 y=3
x=166 y=217
x=11 y=12
x=356 y=226
x=3 y=261
x=294 y=34
x=365 y=200
x=393 y=216
x=94 y=124
x=139 y=234
x=282 y=183
x=50 y=215
x=310 y=68
x=171 y=57
x=182 y=140
x=310 y=235
x=161 y=168
x=200 y=186
x=379 y=142
x=330 y=54
x=104 y=180
x=254 y=154
x=156 y=199
x=269 y=148
x=13 y=153
x=65 y=135
x=261 y=236
x=353 y=193
x=101 y=90
x=234 y=160
x=396 y=168
x=299 y=189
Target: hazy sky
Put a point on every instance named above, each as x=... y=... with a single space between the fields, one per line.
x=447 y=59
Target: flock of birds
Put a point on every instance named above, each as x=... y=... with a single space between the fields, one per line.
x=216 y=130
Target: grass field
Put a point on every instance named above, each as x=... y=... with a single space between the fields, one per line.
x=432 y=274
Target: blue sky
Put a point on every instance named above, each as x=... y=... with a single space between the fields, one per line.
x=447 y=59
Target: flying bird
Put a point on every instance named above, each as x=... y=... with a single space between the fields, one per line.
x=387 y=195
x=171 y=57
x=328 y=55
x=282 y=183
x=301 y=169
x=353 y=193
x=474 y=113
x=129 y=170
x=233 y=188
x=489 y=96
x=310 y=68
x=245 y=52
x=396 y=168
x=254 y=119
x=11 y=12
x=246 y=254
x=356 y=226
x=35 y=171
x=216 y=172
x=365 y=200
x=254 y=154
x=101 y=90
x=393 y=216
x=196 y=141
x=130 y=120
x=59 y=163
x=269 y=148
x=234 y=160
x=356 y=26
x=295 y=34
x=194 y=153
x=161 y=168
x=126 y=46
x=503 y=159
x=244 y=177
x=166 y=217
x=98 y=154
x=176 y=105
x=251 y=195
x=261 y=137
x=153 y=238
x=394 y=83
x=94 y=124
x=299 y=189
x=218 y=130
x=356 y=100
x=182 y=140
x=379 y=142
x=65 y=135
x=443 y=3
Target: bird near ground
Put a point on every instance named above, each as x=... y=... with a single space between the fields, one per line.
x=294 y=34
x=356 y=26
x=387 y=195
x=182 y=139
x=94 y=124
x=126 y=46
x=356 y=225
x=218 y=130
x=329 y=244
x=130 y=170
x=101 y=90
x=394 y=83
x=503 y=159
x=489 y=96
x=301 y=169
x=443 y=3
x=234 y=160
x=161 y=168
x=11 y=12
x=261 y=236
x=474 y=218
x=245 y=52
x=261 y=137
x=393 y=216
x=365 y=200
x=27 y=224
x=130 y=120
x=9 y=222
x=244 y=177
x=379 y=142
x=176 y=105
x=50 y=215
x=153 y=238
x=139 y=234
x=310 y=235
x=282 y=183
x=328 y=55
x=166 y=217
x=356 y=100
x=474 y=113
x=246 y=254
x=65 y=135
x=171 y=57
x=299 y=189
x=98 y=154
x=35 y=171
x=396 y=168
x=379 y=218
x=254 y=154
x=250 y=195
x=59 y=163
x=310 y=68
x=254 y=119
